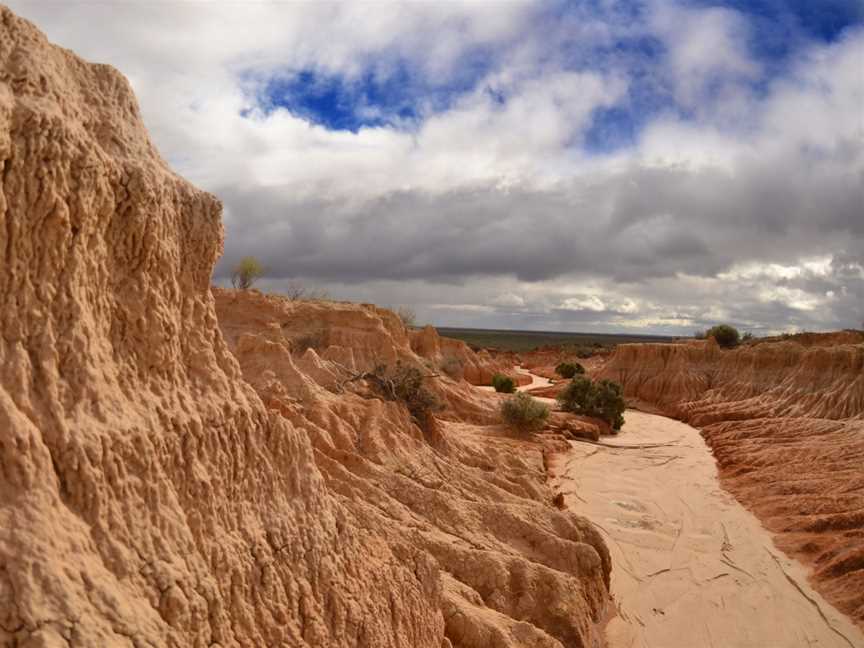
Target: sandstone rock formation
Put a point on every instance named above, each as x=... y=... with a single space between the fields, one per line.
x=468 y=495
x=149 y=497
x=785 y=420
x=457 y=359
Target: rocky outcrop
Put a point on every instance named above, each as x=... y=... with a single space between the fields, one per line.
x=785 y=420
x=467 y=494
x=456 y=358
x=150 y=497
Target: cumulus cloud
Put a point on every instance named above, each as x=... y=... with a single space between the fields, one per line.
x=603 y=166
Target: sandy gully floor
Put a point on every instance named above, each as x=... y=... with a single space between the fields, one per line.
x=691 y=567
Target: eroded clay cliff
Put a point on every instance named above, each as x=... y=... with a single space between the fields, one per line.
x=466 y=493
x=785 y=420
x=149 y=497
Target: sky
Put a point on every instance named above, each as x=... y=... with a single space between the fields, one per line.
x=654 y=166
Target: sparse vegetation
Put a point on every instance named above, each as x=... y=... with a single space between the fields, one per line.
x=408 y=316
x=726 y=336
x=524 y=413
x=313 y=340
x=453 y=367
x=246 y=273
x=569 y=369
x=584 y=351
x=405 y=383
x=503 y=384
x=579 y=345
x=298 y=292
x=603 y=399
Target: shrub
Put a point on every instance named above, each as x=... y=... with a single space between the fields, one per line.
x=453 y=367
x=603 y=400
x=569 y=369
x=405 y=383
x=298 y=292
x=609 y=403
x=524 y=413
x=725 y=335
x=313 y=340
x=246 y=273
x=408 y=316
x=503 y=384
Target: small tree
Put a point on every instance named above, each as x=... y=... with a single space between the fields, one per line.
x=569 y=369
x=503 y=384
x=246 y=273
x=726 y=336
x=408 y=316
x=524 y=413
x=603 y=400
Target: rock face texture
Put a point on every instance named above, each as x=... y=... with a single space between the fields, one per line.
x=456 y=358
x=150 y=497
x=785 y=420
x=465 y=495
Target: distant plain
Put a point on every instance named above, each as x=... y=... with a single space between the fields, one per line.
x=529 y=340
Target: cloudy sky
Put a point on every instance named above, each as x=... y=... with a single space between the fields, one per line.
x=595 y=165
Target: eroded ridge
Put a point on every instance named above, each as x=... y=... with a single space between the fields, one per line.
x=785 y=421
x=151 y=496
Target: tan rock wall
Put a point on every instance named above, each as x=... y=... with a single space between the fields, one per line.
x=785 y=420
x=148 y=497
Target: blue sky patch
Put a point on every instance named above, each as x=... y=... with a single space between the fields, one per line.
x=397 y=93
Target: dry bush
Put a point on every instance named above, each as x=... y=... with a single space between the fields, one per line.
x=404 y=383
x=408 y=316
x=453 y=367
x=298 y=292
x=315 y=340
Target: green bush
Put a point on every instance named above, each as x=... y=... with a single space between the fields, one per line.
x=609 y=403
x=569 y=369
x=503 y=384
x=246 y=273
x=603 y=400
x=725 y=335
x=524 y=413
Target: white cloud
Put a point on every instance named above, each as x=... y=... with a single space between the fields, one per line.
x=588 y=303
x=736 y=204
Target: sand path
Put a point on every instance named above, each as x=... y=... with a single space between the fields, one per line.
x=691 y=567
x=536 y=383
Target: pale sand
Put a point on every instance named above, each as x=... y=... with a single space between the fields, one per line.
x=691 y=567
x=536 y=383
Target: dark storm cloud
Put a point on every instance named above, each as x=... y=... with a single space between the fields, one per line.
x=632 y=226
